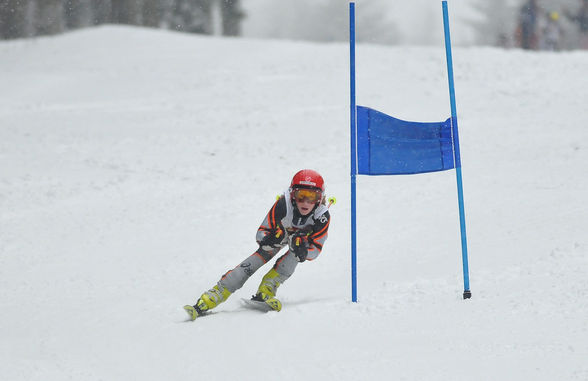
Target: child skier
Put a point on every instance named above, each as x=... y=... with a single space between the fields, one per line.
x=300 y=220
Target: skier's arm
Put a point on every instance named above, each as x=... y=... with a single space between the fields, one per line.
x=271 y=222
x=317 y=239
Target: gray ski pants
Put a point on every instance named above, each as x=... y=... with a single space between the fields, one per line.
x=236 y=278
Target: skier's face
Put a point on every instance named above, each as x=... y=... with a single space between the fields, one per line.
x=304 y=206
x=306 y=199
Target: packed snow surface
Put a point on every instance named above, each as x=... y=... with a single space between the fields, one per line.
x=136 y=166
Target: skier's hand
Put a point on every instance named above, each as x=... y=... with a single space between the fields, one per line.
x=272 y=239
x=299 y=246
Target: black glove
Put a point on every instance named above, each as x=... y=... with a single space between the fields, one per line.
x=299 y=246
x=272 y=239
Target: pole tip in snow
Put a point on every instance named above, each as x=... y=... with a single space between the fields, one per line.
x=467 y=294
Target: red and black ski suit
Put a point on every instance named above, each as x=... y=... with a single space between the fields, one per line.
x=283 y=215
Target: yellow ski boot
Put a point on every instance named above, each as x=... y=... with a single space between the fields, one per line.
x=207 y=301
x=269 y=283
x=266 y=292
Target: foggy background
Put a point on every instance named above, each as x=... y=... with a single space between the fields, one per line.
x=410 y=22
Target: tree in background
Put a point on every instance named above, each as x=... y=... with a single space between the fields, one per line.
x=126 y=12
x=231 y=15
x=22 y=18
x=78 y=13
x=13 y=18
x=192 y=16
x=101 y=11
x=48 y=17
x=153 y=13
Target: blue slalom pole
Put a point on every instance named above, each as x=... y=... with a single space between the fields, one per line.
x=353 y=152
x=464 y=245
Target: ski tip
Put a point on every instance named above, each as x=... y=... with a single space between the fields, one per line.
x=192 y=313
x=265 y=305
x=275 y=304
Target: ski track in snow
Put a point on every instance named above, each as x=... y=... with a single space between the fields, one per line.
x=136 y=165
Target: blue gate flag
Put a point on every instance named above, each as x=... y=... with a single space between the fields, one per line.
x=390 y=146
x=383 y=145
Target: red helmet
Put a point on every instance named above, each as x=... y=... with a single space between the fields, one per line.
x=308 y=179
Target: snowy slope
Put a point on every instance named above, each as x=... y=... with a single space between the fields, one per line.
x=136 y=165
